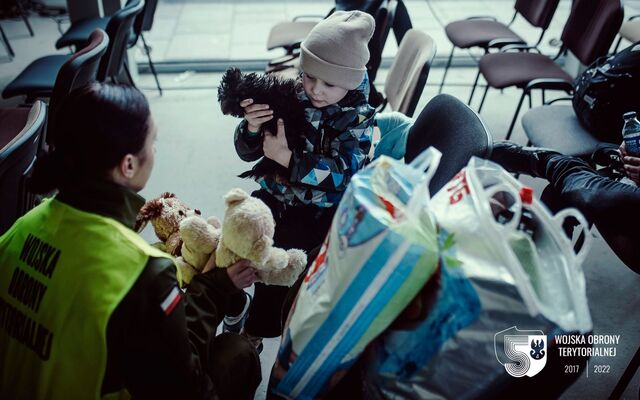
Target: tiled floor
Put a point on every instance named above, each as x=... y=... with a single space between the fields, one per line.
x=195 y=156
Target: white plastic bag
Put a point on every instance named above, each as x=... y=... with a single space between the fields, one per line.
x=493 y=276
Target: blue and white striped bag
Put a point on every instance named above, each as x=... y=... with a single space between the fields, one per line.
x=381 y=249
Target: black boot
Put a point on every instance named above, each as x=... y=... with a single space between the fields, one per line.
x=522 y=160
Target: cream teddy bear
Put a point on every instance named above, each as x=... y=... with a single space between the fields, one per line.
x=247 y=233
x=200 y=238
x=182 y=231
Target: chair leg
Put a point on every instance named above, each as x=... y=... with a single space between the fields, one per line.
x=473 y=90
x=446 y=69
x=6 y=43
x=515 y=116
x=23 y=14
x=628 y=373
x=147 y=50
x=615 y=48
x=484 y=96
x=128 y=72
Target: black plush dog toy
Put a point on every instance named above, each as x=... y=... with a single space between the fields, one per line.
x=280 y=95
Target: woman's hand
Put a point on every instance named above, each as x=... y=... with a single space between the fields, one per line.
x=276 y=147
x=241 y=274
x=255 y=114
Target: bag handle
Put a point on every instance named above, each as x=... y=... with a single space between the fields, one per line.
x=512 y=225
x=559 y=219
x=427 y=160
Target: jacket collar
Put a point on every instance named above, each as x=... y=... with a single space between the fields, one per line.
x=104 y=198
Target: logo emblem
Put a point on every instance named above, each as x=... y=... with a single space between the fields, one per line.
x=521 y=352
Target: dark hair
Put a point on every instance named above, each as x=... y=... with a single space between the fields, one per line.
x=94 y=127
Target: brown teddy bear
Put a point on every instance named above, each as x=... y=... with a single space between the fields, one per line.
x=183 y=232
x=247 y=233
x=165 y=214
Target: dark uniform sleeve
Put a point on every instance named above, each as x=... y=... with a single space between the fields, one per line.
x=158 y=348
x=248 y=145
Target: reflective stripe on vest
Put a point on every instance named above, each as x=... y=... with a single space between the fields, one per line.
x=62 y=273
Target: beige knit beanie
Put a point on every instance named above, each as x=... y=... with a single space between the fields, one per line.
x=336 y=49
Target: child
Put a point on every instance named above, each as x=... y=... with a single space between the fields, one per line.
x=333 y=59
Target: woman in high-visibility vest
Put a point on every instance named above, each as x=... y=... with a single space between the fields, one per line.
x=88 y=309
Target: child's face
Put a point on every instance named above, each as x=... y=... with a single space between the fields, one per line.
x=320 y=92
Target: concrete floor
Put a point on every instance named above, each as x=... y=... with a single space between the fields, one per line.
x=196 y=160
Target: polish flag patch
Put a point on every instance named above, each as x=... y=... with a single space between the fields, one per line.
x=171 y=301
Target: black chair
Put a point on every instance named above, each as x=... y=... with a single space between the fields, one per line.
x=20 y=133
x=588 y=34
x=77 y=70
x=453 y=128
x=38 y=79
x=78 y=32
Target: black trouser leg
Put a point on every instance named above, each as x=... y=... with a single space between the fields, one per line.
x=302 y=228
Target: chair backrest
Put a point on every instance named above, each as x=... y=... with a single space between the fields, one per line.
x=119 y=30
x=16 y=160
x=81 y=68
x=591 y=27
x=144 y=21
x=539 y=13
x=456 y=130
x=383 y=16
x=409 y=71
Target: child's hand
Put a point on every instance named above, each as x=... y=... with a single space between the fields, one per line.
x=255 y=114
x=276 y=147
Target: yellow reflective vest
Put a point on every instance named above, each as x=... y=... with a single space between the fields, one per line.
x=62 y=274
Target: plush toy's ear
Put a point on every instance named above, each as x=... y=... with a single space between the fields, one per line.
x=150 y=210
x=214 y=221
x=262 y=247
x=167 y=195
x=235 y=196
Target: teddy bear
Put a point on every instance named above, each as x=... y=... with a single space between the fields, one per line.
x=165 y=214
x=182 y=231
x=247 y=233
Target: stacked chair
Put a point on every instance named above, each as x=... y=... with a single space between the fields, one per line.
x=21 y=130
x=37 y=80
x=487 y=33
x=409 y=72
x=79 y=31
x=630 y=31
x=588 y=34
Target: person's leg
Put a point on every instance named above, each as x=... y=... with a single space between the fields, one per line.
x=236 y=311
x=234 y=367
x=296 y=227
x=609 y=204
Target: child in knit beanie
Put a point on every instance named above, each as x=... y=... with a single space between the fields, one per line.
x=334 y=88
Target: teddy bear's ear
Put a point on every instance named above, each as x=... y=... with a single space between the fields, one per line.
x=235 y=196
x=167 y=195
x=150 y=210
